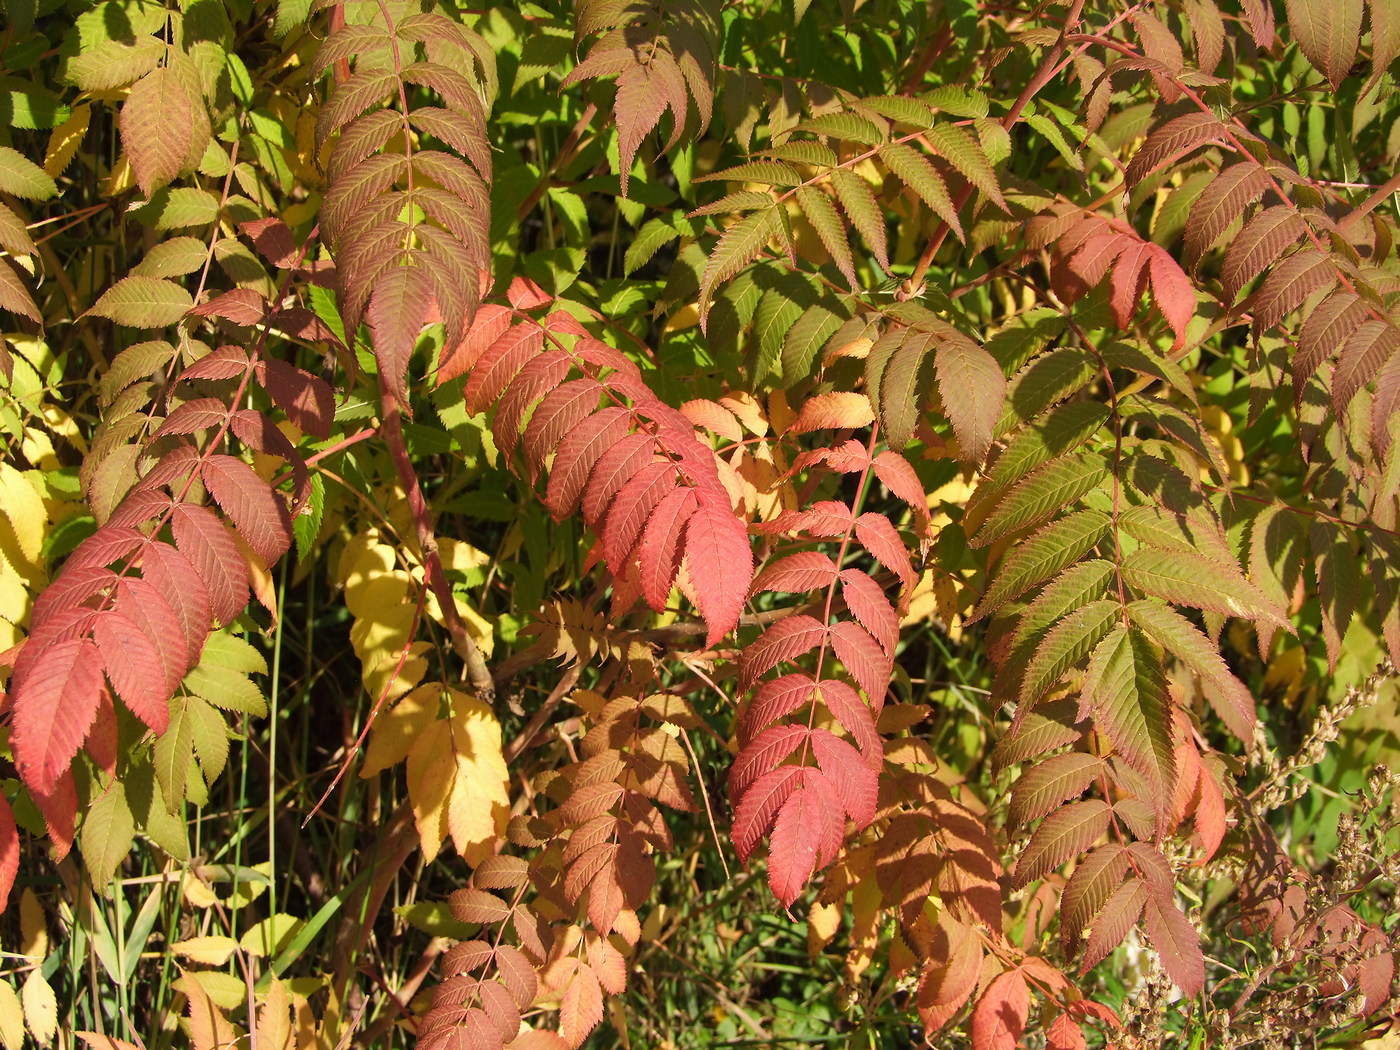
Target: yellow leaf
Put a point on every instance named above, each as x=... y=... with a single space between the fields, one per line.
x=687 y=316
x=396 y=730
x=209 y=1028
x=196 y=893
x=385 y=631
x=379 y=668
x=479 y=806
x=120 y=180
x=105 y=1042
x=432 y=767
x=271 y=935
x=275 y=1019
x=211 y=951
x=65 y=140
x=480 y=629
x=27 y=521
x=37 y=447
x=458 y=556
x=822 y=923
x=40 y=1007
x=33 y=928
x=11 y=1017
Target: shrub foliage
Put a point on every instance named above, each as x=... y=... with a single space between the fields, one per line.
x=944 y=455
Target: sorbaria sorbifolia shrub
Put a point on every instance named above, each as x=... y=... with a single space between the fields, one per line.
x=943 y=456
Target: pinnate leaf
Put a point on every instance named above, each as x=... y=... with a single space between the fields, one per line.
x=157 y=127
x=1062 y=836
x=717 y=549
x=143 y=302
x=1190 y=579
x=1125 y=688
x=972 y=388
x=1001 y=1013
x=56 y=689
x=1176 y=941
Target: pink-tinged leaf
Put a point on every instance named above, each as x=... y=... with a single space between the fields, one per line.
x=867 y=662
x=755 y=812
x=1222 y=202
x=825 y=519
x=1191 y=579
x=540 y=375
x=880 y=538
x=1172 y=291
x=773 y=700
x=1094 y=879
x=1065 y=1033
x=631 y=510
x=255 y=510
x=499 y=363
x=1063 y=835
x=1180 y=637
x=871 y=606
x=1001 y=1013
x=398 y=310
x=72 y=589
x=224 y=363
x=660 y=549
x=1126 y=690
x=201 y=538
x=55 y=691
x=842 y=410
x=721 y=563
x=1366 y=352
x=135 y=668
x=1211 y=821
x=1374 y=974
x=157 y=127
x=177 y=580
x=1127 y=283
x=638 y=108
x=525 y=294
x=193 y=416
x=790 y=637
x=581 y=1008
x=898 y=476
x=1327 y=32
x=1173 y=140
x=1177 y=942
x=273 y=239
x=713 y=417
x=1092 y=261
x=562 y=410
x=856 y=783
x=103 y=547
x=240 y=305
x=578 y=453
x=972 y=387
x=1265 y=237
x=807 y=836
x=803 y=571
x=308 y=400
x=950 y=972
x=489 y=324
x=1119 y=915
x=9 y=852
x=1045 y=787
x=618 y=465
x=854 y=716
x=141 y=602
x=764 y=754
